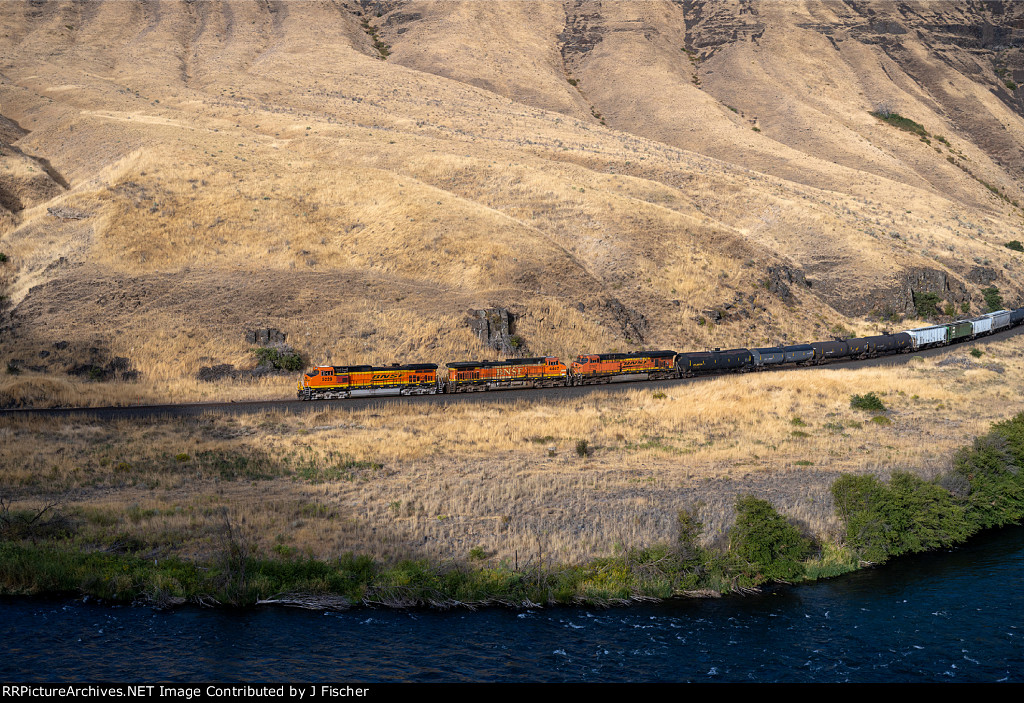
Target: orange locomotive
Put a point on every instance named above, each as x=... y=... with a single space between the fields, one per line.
x=631 y=366
x=541 y=372
x=325 y=382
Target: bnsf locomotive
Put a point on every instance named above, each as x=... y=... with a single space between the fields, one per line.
x=325 y=382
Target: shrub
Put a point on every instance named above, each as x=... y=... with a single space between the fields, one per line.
x=582 y=448
x=976 y=353
x=993 y=299
x=3 y=257
x=904 y=123
x=907 y=515
x=771 y=548
x=869 y=401
x=285 y=358
x=992 y=466
x=1015 y=245
x=688 y=546
x=926 y=304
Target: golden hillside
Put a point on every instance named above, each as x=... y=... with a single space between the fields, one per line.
x=617 y=174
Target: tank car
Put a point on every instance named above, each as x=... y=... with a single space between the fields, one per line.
x=716 y=360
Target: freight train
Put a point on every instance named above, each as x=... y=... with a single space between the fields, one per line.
x=327 y=382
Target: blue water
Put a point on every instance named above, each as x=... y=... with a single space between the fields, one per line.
x=951 y=616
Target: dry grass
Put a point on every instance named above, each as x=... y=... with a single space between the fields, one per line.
x=423 y=480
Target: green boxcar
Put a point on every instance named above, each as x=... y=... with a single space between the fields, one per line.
x=959 y=330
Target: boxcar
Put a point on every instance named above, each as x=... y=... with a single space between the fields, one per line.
x=628 y=366
x=540 y=372
x=959 y=330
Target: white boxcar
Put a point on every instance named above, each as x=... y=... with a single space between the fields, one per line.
x=928 y=336
x=1000 y=319
x=982 y=325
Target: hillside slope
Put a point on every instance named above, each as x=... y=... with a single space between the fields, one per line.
x=617 y=174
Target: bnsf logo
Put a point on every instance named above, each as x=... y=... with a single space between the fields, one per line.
x=387 y=376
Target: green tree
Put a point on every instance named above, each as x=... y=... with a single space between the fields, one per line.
x=926 y=304
x=767 y=547
x=993 y=299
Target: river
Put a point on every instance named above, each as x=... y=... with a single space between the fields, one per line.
x=949 y=616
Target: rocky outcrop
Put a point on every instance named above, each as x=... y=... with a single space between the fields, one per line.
x=780 y=278
x=631 y=322
x=265 y=336
x=88 y=362
x=925 y=280
x=982 y=275
x=495 y=328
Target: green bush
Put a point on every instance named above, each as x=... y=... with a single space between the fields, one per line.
x=907 y=515
x=992 y=467
x=1015 y=245
x=926 y=304
x=869 y=401
x=766 y=546
x=976 y=353
x=985 y=489
x=993 y=299
x=284 y=359
x=582 y=448
x=904 y=123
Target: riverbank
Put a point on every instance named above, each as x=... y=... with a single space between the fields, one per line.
x=984 y=489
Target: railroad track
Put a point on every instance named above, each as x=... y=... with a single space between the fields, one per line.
x=140 y=412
